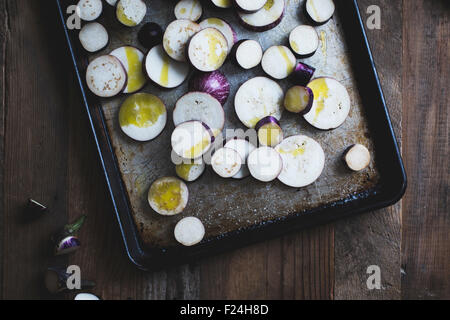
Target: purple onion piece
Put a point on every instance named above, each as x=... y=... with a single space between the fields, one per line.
x=215 y=83
x=67 y=245
x=302 y=74
x=267 y=120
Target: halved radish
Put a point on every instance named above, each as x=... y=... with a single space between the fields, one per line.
x=264 y=19
x=93 y=37
x=304 y=41
x=265 y=164
x=188 y=10
x=320 y=11
x=208 y=50
x=331 y=104
x=249 y=6
x=131 y=12
x=150 y=35
x=106 y=77
x=244 y=148
x=89 y=10
x=223 y=4
x=177 y=36
x=247 y=54
x=299 y=100
x=357 y=157
x=269 y=132
x=143 y=117
x=168 y=196
x=303 y=161
x=132 y=59
x=278 y=62
x=163 y=70
x=258 y=98
x=223 y=27
x=112 y=2
x=191 y=140
x=200 y=106
x=191 y=170
x=302 y=74
x=215 y=83
x=226 y=162
x=189 y=231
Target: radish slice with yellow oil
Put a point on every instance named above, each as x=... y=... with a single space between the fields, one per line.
x=223 y=4
x=168 y=196
x=299 y=100
x=223 y=27
x=264 y=19
x=269 y=131
x=189 y=231
x=131 y=12
x=226 y=162
x=188 y=10
x=278 y=62
x=320 y=11
x=191 y=170
x=191 y=140
x=265 y=164
x=208 y=50
x=132 y=59
x=244 y=148
x=304 y=41
x=177 y=36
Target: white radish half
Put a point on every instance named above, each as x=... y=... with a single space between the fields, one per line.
x=223 y=27
x=223 y=4
x=303 y=161
x=133 y=60
x=264 y=19
x=208 y=50
x=244 y=148
x=200 y=106
x=265 y=164
x=142 y=117
x=249 y=6
x=168 y=196
x=320 y=11
x=112 y=2
x=177 y=36
x=304 y=40
x=357 y=157
x=164 y=71
x=86 y=297
x=248 y=54
x=258 y=98
x=331 y=104
x=89 y=10
x=191 y=171
x=191 y=140
x=106 y=77
x=131 y=12
x=93 y=37
x=269 y=131
x=189 y=231
x=299 y=100
x=278 y=62
x=226 y=162
x=188 y=10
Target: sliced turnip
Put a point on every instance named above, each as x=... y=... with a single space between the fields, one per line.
x=89 y=10
x=304 y=41
x=168 y=196
x=106 y=77
x=223 y=27
x=112 y=2
x=269 y=132
x=331 y=104
x=131 y=12
x=302 y=74
x=93 y=37
x=299 y=100
x=215 y=83
x=247 y=54
x=244 y=148
x=189 y=231
x=143 y=117
x=249 y=6
x=188 y=10
x=150 y=35
x=223 y=4
x=191 y=171
x=265 y=164
x=265 y=19
x=357 y=157
x=133 y=60
x=278 y=62
x=320 y=11
x=177 y=36
x=258 y=98
x=226 y=162
x=303 y=161
x=191 y=140
x=208 y=50
x=163 y=70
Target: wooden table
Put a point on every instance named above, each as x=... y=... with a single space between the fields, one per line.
x=46 y=152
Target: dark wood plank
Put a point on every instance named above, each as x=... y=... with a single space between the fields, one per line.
x=426 y=220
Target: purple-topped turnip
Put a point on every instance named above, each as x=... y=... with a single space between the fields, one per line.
x=304 y=41
x=264 y=19
x=247 y=54
x=269 y=131
x=278 y=62
x=150 y=35
x=208 y=50
x=302 y=74
x=320 y=11
x=224 y=27
x=188 y=10
x=265 y=164
x=192 y=139
x=215 y=83
x=177 y=36
x=299 y=100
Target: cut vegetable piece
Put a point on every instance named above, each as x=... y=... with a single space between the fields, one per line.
x=131 y=12
x=320 y=11
x=150 y=35
x=304 y=41
x=112 y=2
x=302 y=74
x=223 y=27
x=190 y=172
x=250 y=6
x=258 y=98
x=189 y=231
x=93 y=37
x=331 y=104
x=226 y=162
x=215 y=83
x=244 y=148
x=191 y=140
x=357 y=157
x=132 y=59
x=278 y=62
x=303 y=161
x=299 y=100
x=248 y=54
x=224 y=4
x=89 y=10
x=106 y=77
x=265 y=19
x=188 y=10
x=168 y=196
x=269 y=132
x=143 y=117
x=163 y=70
x=177 y=36
x=200 y=106
x=208 y=50
x=86 y=296
x=265 y=164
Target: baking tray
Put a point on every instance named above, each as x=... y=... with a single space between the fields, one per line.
x=237 y=213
